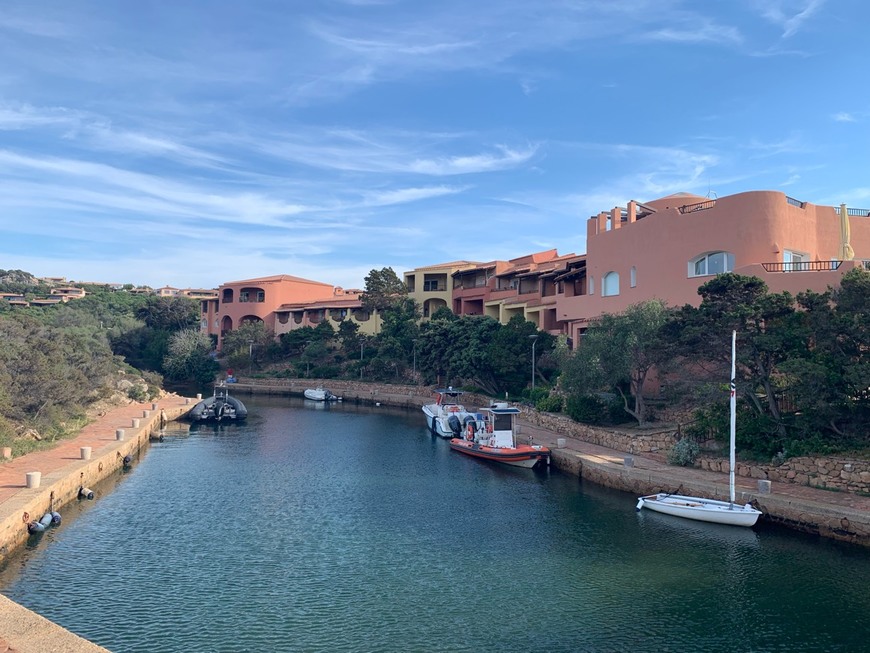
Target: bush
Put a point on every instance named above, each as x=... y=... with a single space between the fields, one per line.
x=684 y=453
x=550 y=404
x=587 y=409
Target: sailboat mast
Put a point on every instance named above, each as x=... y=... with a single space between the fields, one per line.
x=733 y=461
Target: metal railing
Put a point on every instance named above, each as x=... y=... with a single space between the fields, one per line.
x=802 y=266
x=700 y=206
x=861 y=213
x=795 y=202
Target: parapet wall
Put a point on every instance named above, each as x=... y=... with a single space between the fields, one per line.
x=838 y=474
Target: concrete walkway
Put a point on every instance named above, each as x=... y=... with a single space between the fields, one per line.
x=61 y=467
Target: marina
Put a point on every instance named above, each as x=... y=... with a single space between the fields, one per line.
x=267 y=535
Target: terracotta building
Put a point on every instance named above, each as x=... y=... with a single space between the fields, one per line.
x=432 y=286
x=666 y=248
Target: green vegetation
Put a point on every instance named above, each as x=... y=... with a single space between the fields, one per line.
x=803 y=373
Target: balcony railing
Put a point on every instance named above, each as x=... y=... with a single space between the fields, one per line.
x=861 y=213
x=795 y=202
x=802 y=266
x=700 y=206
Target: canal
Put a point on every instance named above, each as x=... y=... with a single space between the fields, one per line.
x=351 y=528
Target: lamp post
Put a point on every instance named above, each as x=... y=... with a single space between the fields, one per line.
x=414 y=373
x=361 y=347
x=250 y=357
x=534 y=339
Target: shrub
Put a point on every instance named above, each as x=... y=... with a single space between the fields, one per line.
x=684 y=453
x=587 y=409
x=550 y=404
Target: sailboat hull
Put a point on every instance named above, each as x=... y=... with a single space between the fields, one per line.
x=708 y=510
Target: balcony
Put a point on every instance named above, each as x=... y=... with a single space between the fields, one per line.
x=802 y=266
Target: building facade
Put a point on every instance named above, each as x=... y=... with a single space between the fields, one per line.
x=667 y=248
x=432 y=286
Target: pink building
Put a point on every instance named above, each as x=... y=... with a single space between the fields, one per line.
x=255 y=300
x=666 y=248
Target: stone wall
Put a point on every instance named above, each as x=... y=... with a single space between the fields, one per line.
x=838 y=474
x=648 y=441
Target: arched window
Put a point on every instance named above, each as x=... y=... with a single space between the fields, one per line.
x=610 y=284
x=711 y=263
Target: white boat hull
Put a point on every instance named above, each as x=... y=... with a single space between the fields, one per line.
x=707 y=510
x=437 y=420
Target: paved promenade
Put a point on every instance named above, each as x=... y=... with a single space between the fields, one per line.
x=23 y=631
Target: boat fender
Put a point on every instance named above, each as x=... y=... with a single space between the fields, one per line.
x=489 y=428
x=639 y=504
x=55 y=518
x=86 y=493
x=127 y=461
x=471 y=431
x=35 y=527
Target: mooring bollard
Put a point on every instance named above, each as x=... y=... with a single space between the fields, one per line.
x=32 y=479
x=146 y=413
x=198 y=395
x=135 y=423
x=560 y=443
x=628 y=461
x=85 y=453
x=187 y=401
x=763 y=486
x=119 y=434
x=153 y=406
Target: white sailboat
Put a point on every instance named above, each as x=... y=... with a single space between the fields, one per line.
x=709 y=510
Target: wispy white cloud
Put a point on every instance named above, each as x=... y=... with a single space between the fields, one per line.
x=844 y=116
x=790 y=15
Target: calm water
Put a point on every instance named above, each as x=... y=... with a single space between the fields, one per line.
x=347 y=529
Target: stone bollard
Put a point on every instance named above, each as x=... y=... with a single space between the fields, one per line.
x=32 y=479
x=7 y=452
x=560 y=443
x=198 y=395
x=187 y=401
x=628 y=461
x=119 y=434
x=763 y=486
x=146 y=413
x=153 y=406
x=135 y=423
x=85 y=453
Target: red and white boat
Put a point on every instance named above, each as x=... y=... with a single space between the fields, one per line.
x=492 y=436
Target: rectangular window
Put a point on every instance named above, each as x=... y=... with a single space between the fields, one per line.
x=261 y=296
x=430 y=286
x=243 y=295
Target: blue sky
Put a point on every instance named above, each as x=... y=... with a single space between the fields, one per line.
x=191 y=143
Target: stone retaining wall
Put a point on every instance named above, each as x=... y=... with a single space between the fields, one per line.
x=838 y=474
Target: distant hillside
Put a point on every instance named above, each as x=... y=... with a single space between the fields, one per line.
x=19 y=281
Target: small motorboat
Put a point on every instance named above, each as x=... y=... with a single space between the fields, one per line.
x=320 y=394
x=446 y=416
x=491 y=435
x=220 y=407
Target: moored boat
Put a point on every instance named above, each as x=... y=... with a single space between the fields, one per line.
x=320 y=394
x=491 y=435
x=220 y=407
x=702 y=508
x=446 y=416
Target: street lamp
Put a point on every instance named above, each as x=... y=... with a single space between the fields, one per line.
x=415 y=360
x=534 y=339
x=250 y=357
x=362 y=345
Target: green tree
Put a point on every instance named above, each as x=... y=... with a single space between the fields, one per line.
x=189 y=358
x=617 y=354
x=169 y=313
x=383 y=290
x=246 y=347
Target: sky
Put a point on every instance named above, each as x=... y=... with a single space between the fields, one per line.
x=193 y=143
